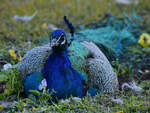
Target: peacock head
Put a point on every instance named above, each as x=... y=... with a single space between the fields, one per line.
x=58 y=40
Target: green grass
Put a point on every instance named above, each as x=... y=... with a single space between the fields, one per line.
x=52 y=12
x=101 y=103
x=14 y=35
x=49 y=12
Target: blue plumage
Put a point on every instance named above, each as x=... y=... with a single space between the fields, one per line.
x=57 y=33
x=61 y=77
x=32 y=82
x=93 y=91
x=58 y=72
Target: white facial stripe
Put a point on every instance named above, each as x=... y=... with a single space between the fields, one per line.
x=59 y=39
x=63 y=42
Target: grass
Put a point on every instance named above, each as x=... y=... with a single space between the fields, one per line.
x=49 y=12
x=14 y=35
x=101 y=103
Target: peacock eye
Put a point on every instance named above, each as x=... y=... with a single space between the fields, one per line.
x=62 y=38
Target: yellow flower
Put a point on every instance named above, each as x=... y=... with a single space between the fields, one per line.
x=7 y=92
x=19 y=59
x=13 y=54
x=119 y=112
x=144 y=40
x=44 y=26
x=24 y=105
x=35 y=109
x=1 y=107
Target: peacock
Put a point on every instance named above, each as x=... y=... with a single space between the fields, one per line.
x=56 y=60
x=62 y=80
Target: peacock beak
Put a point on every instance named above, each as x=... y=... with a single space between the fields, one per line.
x=53 y=43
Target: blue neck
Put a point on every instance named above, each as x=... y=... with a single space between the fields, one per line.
x=56 y=61
x=60 y=53
x=61 y=77
x=60 y=59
